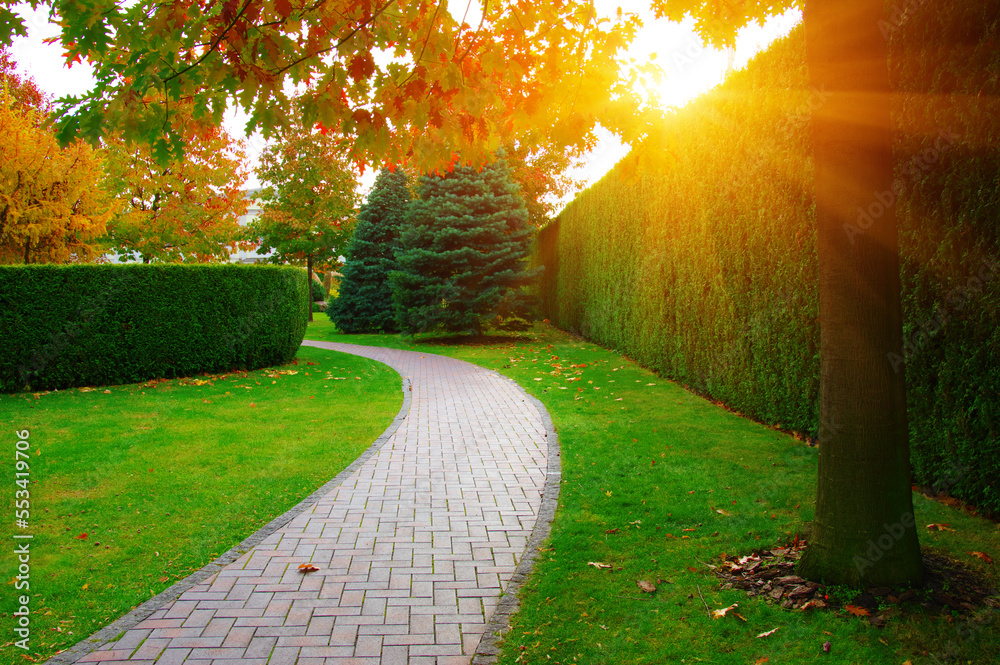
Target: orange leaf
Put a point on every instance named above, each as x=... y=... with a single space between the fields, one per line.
x=252 y=404
x=939 y=527
x=857 y=611
x=982 y=555
x=307 y=568
x=82 y=536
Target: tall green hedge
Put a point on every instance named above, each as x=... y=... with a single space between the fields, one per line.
x=697 y=255
x=79 y=325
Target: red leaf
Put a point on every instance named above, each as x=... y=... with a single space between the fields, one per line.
x=361 y=66
x=82 y=536
x=307 y=568
x=982 y=555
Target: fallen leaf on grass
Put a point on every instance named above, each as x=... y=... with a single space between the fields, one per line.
x=718 y=614
x=760 y=661
x=85 y=587
x=826 y=646
x=253 y=404
x=939 y=527
x=857 y=611
x=82 y=536
x=307 y=568
x=646 y=586
x=982 y=555
x=768 y=633
x=598 y=564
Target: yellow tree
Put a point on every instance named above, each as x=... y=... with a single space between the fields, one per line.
x=52 y=207
x=184 y=210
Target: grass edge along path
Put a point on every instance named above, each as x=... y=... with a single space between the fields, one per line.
x=657 y=484
x=104 y=543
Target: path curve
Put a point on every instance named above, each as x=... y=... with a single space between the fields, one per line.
x=415 y=542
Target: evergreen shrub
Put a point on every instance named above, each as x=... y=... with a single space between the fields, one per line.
x=696 y=256
x=126 y=323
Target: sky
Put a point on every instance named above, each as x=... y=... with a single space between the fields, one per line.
x=689 y=69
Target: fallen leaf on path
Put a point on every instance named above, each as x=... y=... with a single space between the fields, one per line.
x=646 y=586
x=307 y=568
x=718 y=614
x=768 y=633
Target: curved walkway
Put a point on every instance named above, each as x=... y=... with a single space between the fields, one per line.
x=415 y=542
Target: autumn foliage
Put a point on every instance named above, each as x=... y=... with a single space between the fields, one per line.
x=185 y=210
x=52 y=208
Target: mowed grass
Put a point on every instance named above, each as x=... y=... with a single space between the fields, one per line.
x=658 y=482
x=135 y=487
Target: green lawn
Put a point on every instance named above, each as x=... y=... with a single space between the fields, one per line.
x=135 y=487
x=166 y=477
x=647 y=468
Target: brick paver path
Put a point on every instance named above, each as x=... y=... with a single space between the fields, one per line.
x=414 y=544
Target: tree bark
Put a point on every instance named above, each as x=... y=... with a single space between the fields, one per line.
x=864 y=531
x=309 y=286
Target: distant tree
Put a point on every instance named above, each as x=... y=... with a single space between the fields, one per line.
x=540 y=172
x=309 y=206
x=365 y=300
x=52 y=206
x=23 y=91
x=463 y=259
x=186 y=210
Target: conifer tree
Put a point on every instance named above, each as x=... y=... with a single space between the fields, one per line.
x=463 y=259
x=365 y=300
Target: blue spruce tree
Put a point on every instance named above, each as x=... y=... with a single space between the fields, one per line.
x=464 y=250
x=365 y=301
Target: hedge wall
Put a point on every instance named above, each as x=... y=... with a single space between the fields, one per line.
x=80 y=325
x=697 y=255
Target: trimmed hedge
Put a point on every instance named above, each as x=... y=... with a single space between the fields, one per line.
x=704 y=268
x=113 y=324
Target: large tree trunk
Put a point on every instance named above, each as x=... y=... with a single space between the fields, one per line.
x=309 y=286
x=864 y=531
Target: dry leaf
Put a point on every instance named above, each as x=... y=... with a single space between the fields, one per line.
x=939 y=527
x=718 y=614
x=252 y=404
x=307 y=568
x=760 y=661
x=982 y=555
x=82 y=536
x=85 y=587
x=598 y=564
x=769 y=633
x=645 y=586
x=857 y=611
